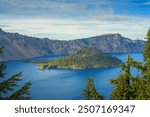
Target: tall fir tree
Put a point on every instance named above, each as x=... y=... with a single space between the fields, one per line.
x=127 y=86
x=146 y=71
x=142 y=84
x=90 y=92
x=139 y=86
x=122 y=83
x=10 y=84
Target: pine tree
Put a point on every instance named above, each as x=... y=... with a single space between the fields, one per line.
x=90 y=91
x=147 y=48
x=122 y=83
x=146 y=71
x=138 y=87
x=128 y=87
x=10 y=84
x=142 y=84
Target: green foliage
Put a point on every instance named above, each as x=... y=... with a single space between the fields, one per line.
x=2 y=66
x=123 y=83
x=10 y=84
x=84 y=58
x=147 y=48
x=21 y=94
x=146 y=71
x=136 y=88
x=90 y=91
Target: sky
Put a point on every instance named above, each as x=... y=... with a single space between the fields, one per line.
x=74 y=19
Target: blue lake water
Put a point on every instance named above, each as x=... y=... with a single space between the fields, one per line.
x=65 y=84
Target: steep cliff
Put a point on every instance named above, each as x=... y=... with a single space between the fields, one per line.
x=18 y=46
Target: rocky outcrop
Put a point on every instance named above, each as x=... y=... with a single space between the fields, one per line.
x=18 y=46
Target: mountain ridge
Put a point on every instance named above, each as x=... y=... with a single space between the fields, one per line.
x=18 y=46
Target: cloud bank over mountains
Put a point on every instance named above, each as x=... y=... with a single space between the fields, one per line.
x=70 y=19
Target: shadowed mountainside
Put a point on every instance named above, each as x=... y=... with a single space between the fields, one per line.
x=18 y=46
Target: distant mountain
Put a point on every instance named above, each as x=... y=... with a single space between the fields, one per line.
x=87 y=57
x=18 y=46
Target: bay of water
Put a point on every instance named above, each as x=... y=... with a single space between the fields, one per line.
x=66 y=84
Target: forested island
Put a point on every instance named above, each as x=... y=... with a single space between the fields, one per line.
x=88 y=57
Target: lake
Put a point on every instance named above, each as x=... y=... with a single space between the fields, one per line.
x=66 y=84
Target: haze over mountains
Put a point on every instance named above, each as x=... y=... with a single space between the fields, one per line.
x=18 y=46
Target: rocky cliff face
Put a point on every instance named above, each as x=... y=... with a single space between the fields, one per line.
x=18 y=46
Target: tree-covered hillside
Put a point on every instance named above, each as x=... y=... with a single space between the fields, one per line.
x=87 y=57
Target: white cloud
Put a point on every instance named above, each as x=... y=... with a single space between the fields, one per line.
x=70 y=19
x=132 y=27
x=54 y=8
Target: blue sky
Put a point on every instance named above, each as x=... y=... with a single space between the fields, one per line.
x=71 y=19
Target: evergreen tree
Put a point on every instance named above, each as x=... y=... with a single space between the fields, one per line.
x=10 y=84
x=128 y=87
x=142 y=84
x=147 y=48
x=90 y=91
x=123 y=83
x=146 y=71
x=138 y=87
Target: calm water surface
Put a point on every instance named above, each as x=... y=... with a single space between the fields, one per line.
x=65 y=84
